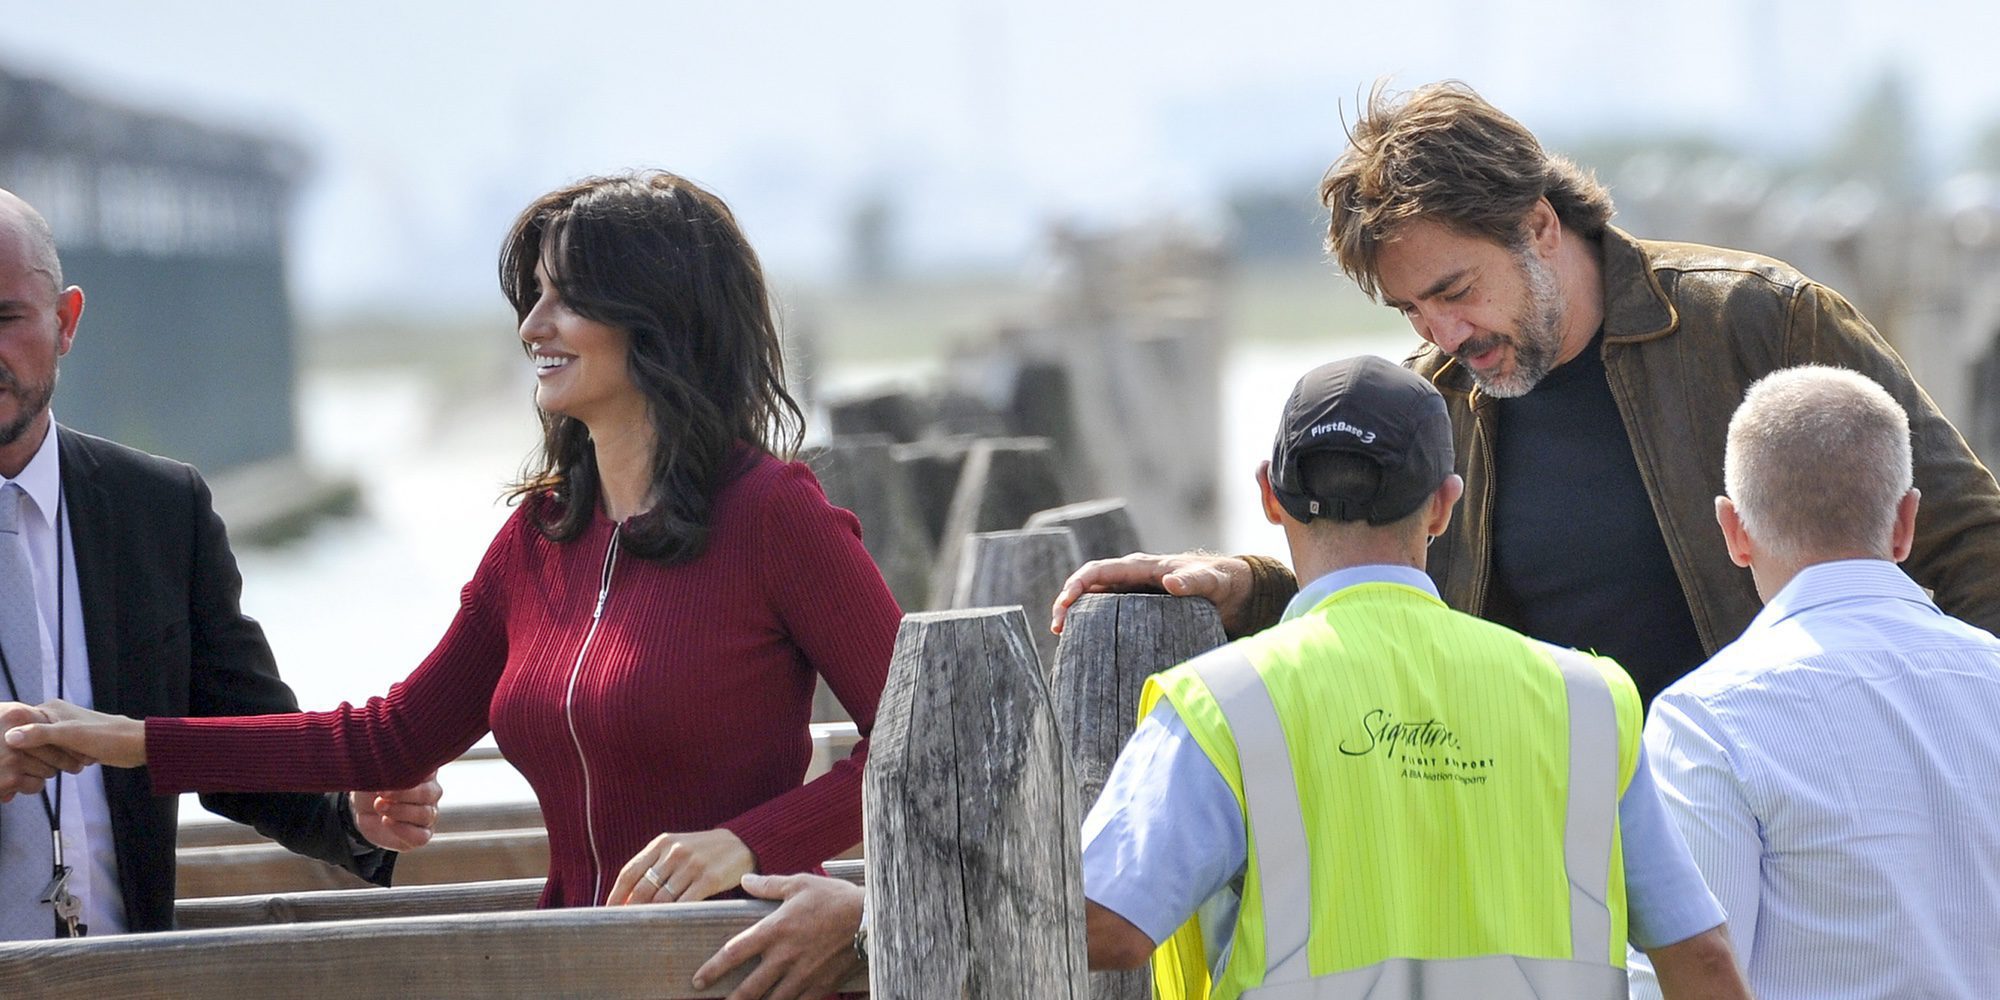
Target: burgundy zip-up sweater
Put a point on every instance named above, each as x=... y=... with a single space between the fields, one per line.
x=682 y=707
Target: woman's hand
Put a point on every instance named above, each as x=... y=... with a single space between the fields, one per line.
x=683 y=867
x=113 y=740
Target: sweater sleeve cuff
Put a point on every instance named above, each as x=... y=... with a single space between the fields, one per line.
x=170 y=744
x=798 y=831
x=1272 y=586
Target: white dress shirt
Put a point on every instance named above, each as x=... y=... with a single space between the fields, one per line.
x=1834 y=773
x=86 y=813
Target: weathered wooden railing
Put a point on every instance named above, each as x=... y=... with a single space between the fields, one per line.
x=981 y=770
x=401 y=901
x=638 y=951
x=475 y=844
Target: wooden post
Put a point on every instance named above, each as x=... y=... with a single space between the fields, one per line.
x=1025 y=569
x=1004 y=481
x=1110 y=644
x=863 y=476
x=900 y=415
x=973 y=881
x=617 y=951
x=1103 y=528
x=934 y=467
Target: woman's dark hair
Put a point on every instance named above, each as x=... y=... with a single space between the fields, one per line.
x=656 y=256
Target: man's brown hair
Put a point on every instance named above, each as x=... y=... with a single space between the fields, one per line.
x=1441 y=152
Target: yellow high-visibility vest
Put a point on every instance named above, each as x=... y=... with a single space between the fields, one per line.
x=1431 y=804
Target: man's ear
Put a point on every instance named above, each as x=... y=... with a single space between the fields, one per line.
x=1544 y=228
x=1442 y=503
x=69 y=309
x=1272 y=511
x=1733 y=534
x=1905 y=535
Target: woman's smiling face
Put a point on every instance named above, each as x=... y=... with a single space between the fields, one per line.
x=582 y=368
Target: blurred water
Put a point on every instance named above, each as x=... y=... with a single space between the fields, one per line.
x=357 y=604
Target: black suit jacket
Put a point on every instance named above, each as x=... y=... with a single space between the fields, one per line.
x=166 y=636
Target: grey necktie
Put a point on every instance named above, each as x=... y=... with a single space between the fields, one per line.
x=26 y=857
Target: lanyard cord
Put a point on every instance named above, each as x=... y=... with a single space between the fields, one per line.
x=52 y=811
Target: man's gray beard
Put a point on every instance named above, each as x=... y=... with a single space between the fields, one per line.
x=1537 y=332
x=34 y=399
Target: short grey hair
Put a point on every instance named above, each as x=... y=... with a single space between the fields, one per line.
x=40 y=238
x=1817 y=462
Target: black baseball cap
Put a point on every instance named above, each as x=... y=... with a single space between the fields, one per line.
x=1371 y=407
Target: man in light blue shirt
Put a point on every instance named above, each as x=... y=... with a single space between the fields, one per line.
x=1166 y=836
x=1833 y=768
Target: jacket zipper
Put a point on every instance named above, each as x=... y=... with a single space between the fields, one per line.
x=1660 y=514
x=569 y=717
x=1482 y=561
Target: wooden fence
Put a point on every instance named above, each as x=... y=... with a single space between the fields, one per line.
x=981 y=769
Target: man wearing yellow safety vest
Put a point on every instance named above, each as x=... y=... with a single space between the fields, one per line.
x=1379 y=797
x=1382 y=797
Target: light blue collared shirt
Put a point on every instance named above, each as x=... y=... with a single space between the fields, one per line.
x=1166 y=837
x=1833 y=770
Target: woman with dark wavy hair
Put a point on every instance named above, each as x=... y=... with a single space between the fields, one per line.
x=643 y=636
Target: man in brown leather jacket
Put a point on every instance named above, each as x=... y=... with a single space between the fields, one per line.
x=1591 y=377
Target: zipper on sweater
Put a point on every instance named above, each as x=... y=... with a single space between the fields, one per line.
x=569 y=717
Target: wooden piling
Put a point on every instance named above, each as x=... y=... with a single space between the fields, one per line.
x=1005 y=480
x=973 y=882
x=934 y=467
x=862 y=475
x=1103 y=528
x=1024 y=569
x=1110 y=644
x=897 y=413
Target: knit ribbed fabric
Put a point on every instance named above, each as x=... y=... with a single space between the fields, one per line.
x=688 y=711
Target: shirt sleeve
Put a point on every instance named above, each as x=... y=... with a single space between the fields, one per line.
x=1665 y=896
x=1166 y=834
x=1704 y=795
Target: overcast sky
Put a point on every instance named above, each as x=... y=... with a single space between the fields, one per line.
x=431 y=124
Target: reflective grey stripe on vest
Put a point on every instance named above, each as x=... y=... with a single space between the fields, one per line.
x=1489 y=977
x=1590 y=823
x=1285 y=867
x=1284 y=864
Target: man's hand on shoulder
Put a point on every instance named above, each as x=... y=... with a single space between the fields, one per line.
x=401 y=820
x=1223 y=580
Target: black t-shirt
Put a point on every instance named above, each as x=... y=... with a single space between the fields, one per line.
x=1578 y=558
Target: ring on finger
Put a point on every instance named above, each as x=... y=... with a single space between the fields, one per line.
x=653 y=875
